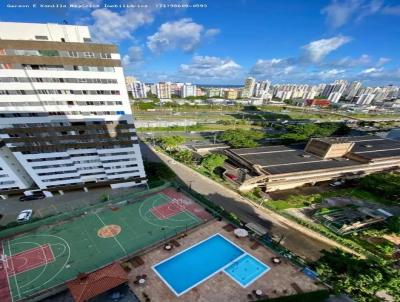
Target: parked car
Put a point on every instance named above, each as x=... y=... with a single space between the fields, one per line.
x=337 y=183
x=25 y=215
x=34 y=196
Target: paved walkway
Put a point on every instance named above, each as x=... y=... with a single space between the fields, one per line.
x=302 y=241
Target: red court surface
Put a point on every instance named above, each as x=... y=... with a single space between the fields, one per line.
x=5 y=295
x=180 y=202
x=29 y=259
x=167 y=210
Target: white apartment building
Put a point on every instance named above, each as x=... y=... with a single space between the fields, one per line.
x=352 y=90
x=334 y=97
x=365 y=99
x=138 y=90
x=189 y=90
x=248 y=89
x=163 y=90
x=65 y=118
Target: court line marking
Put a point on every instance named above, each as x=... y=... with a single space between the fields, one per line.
x=59 y=271
x=8 y=281
x=16 y=282
x=39 y=247
x=120 y=245
x=148 y=220
x=44 y=266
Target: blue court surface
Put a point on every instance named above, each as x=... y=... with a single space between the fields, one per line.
x=196 y=264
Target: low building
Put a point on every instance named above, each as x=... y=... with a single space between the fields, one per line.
x=322 y=159
x=318 y=102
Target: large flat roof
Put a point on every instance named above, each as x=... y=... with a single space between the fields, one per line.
x=287 y=159
x=291 y=159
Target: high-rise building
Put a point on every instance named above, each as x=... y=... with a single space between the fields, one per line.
x=248 y=89
x=138 y=90
x=214 y=92
x=65 y=118
x=334 y=97
x=163 y=90
x=352 y=90
x=365 y=98
x=189 y=90
x=231 y=94
x=261 y=89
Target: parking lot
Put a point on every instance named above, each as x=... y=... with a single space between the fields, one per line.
x=11 y=207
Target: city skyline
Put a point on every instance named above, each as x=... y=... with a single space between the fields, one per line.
x=316 y=42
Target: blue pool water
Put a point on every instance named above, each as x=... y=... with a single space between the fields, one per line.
x=198 y=263
x=246 y=270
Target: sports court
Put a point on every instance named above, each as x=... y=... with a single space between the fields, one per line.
x=39 y=260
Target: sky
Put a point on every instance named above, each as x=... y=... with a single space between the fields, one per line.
x=225 y=41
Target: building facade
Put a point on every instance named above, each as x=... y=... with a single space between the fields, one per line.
x=163 y=90
x=65 y=118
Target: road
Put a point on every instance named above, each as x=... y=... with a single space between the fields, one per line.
x=304 y=243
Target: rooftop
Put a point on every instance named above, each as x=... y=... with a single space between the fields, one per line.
x=290 y=159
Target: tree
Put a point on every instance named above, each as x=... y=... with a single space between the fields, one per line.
x=241 y=138
x=170 y=143
x=361 y=279
x=393 y=224
x=212 y=161
x=184 y=156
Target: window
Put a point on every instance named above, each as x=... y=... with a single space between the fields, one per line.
x=41 y=38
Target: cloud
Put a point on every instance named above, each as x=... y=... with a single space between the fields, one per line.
x=351 y=62
x=210 y=67
x=134 y=56
x=391 y=10
x=382 y=61
x=332 y=73
x=340 y=12
x=182 y=34
x=317 y=50
x=273 y=67
x=111 y=26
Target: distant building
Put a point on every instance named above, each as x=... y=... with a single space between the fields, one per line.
x=231 y=94
x=334 y=97
x=214 y=92
x=365 y=99
x=138 y=90
x=318 y=102
x=189 y=90
x=248 y=89
x=163 y=90
x=352 y=90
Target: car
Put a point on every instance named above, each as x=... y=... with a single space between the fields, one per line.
x=172 y=162
x=25 y=215
x=34 y=196
x=337 y=183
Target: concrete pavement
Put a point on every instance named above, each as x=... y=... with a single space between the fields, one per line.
x=11 y=207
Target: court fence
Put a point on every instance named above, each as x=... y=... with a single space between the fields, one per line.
x=67 y=215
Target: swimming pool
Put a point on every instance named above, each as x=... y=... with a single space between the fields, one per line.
x=246 y=270
x=200 y=262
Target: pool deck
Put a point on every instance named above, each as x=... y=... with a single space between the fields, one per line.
x=276 y=282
